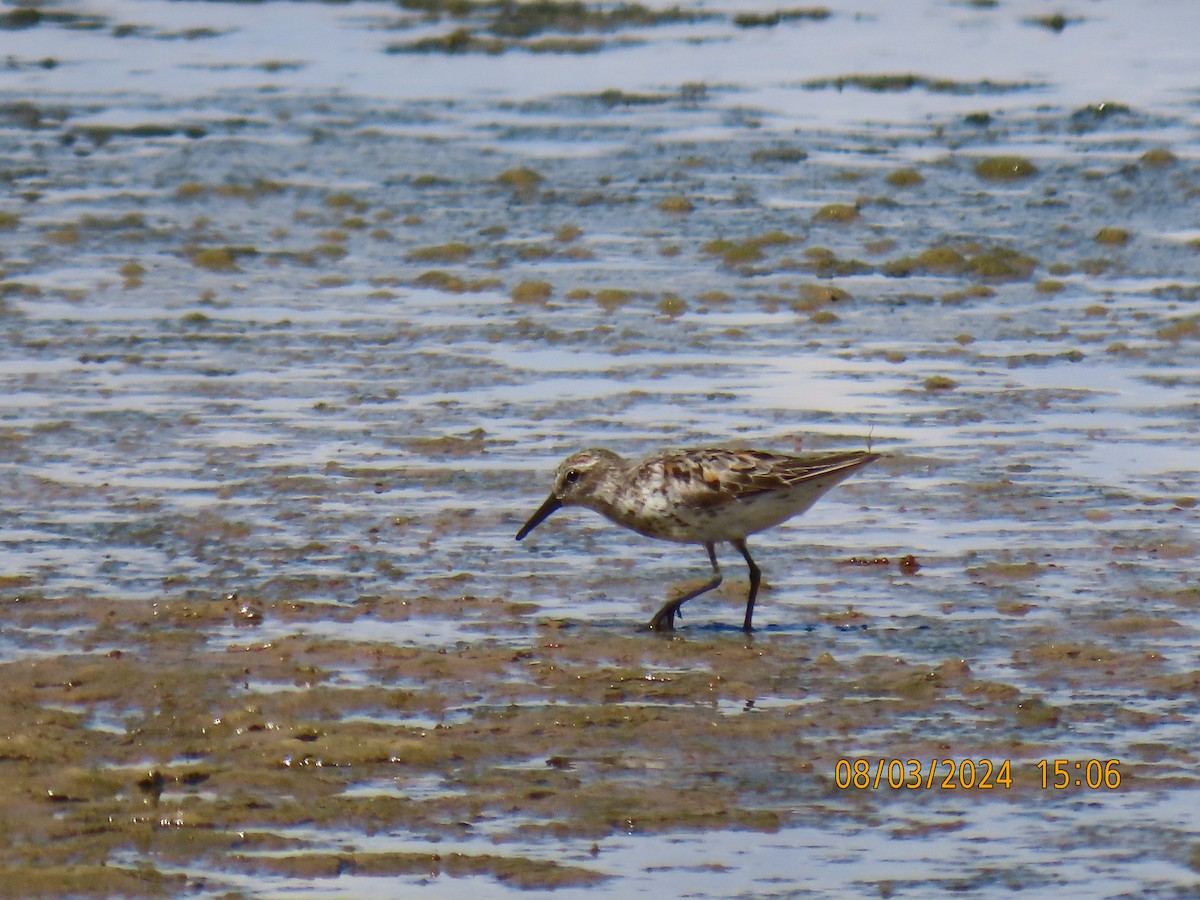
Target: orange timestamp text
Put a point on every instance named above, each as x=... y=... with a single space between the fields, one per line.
x=1060 y=774
x=923 y=774
x=971 y=774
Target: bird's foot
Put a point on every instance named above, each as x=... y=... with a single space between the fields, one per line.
x=664 y=619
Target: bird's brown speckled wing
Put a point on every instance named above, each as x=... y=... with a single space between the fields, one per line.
x=711 y=476
x=798 y=469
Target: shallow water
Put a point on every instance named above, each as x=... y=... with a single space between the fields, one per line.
x=296 y=324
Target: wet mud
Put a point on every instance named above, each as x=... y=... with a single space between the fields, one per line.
x=284 y=373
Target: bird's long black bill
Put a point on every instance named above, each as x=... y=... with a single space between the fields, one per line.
x=552 y=503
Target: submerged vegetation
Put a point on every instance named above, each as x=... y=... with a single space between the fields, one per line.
x=538 y=26
x=907 y=81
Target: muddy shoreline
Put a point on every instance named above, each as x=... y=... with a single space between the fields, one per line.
x=284 y=371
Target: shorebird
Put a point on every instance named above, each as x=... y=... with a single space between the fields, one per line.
x=701 y=496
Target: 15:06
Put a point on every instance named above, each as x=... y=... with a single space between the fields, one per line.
x=1060 y=774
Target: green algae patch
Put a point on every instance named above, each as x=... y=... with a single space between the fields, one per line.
x=941 y=260
x=740 y=253
x=215 y=259
x=672 y=306
x=612 y=299
x=1055 y=22
x=773 y=239
x=66 y=235
x=1158 y=157
x=881 y=83
x=815 y=296
x=1095 y=265
x=532 y=292
x=133 y=273
x=906 y=81
x=676 y=204
x=1001 y=264
x=345 y=202
x=452 y=252
x=23 y=17
x=1005 y=168
x=936 y=260
x=523 y=20
x=100 y=135
x=455 y=284
x=533 y=253
x=837 y=212
x=1112 y=236
x=1180 y=329
x=778 y=16
x=784 y=154
x=825 y=263
x=520 y=179
x=612 y=98
x=935 y=383
x=904 y=178
x=734 y=253
x=250 y=191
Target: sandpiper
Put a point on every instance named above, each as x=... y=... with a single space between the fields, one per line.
x=701 y=496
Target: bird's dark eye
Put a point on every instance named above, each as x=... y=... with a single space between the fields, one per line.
x=572 y=476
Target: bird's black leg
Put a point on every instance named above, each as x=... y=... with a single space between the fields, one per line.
x=664 y=619
x=755 y=580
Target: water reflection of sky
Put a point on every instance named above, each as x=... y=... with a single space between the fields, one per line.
x=1138 y=53
x=297 y=407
